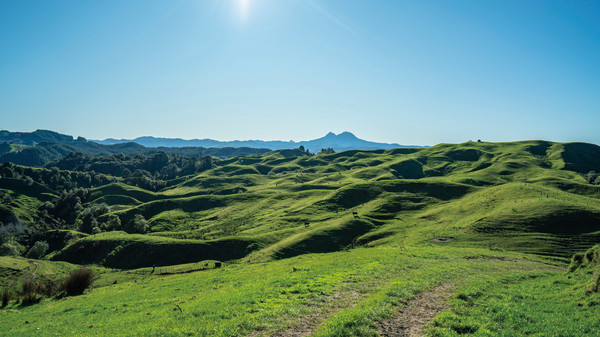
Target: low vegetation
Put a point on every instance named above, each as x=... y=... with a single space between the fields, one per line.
x=78 y=281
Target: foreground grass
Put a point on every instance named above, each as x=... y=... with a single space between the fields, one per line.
x=539 y=305
x=263 y=298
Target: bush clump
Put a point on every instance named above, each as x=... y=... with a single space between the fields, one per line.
x=9 y=249
x=30 y=292
x=589 y=259
x=5 y=297
x=38 y=250
x=78 y=281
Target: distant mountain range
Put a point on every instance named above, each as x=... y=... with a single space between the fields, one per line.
x=341 y=142
x=41 y=147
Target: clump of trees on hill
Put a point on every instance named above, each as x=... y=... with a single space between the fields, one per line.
x=148 y=172
x=65 y=185
x=158 y=166
x=38 y=250
x=70 y=211
x=53 y=178
x=592 y=178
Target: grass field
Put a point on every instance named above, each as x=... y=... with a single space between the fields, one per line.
x=347 y=290
x=330 y=245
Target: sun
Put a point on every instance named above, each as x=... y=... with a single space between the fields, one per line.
x=243 y=9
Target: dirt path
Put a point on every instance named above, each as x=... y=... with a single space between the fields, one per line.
x=37 y=267
x=411 y=318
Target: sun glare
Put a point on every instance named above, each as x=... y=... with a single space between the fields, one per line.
x=243 y=9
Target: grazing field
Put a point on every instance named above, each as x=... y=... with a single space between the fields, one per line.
x=290 y=244
x=331 y=294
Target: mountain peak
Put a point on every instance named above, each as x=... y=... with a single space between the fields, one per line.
x=343 y=135
x=347 y=135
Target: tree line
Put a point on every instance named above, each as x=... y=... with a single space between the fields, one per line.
x=64 y=189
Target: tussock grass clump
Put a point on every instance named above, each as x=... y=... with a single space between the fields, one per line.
x=595 y=287
x=48 y=288
x=576 y=261
x=78 y=281
x=5 y=297
x=30 y=292
x=589 y=259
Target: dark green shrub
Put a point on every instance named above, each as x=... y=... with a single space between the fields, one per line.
x=29 y=289
x=9 y=249
x=48 y=288
x=591 y=177
x=78 y=281
x=576 y=261
x=595 y=283
x=139 y=224
x=5 y=297
x=38 y=250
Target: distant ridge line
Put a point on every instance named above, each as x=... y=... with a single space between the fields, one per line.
x=341 y=142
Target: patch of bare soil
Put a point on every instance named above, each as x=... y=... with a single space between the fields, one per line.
x=37 y=266
x=416 y=313
x=442 y=239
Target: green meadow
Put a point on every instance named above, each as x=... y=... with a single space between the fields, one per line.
x=291 y=244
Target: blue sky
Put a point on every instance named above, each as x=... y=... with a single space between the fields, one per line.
x=411 y=72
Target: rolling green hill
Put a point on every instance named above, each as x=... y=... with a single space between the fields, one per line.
x=518 y=196
x=478 y=208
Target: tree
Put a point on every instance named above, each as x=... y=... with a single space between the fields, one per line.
x=140 y=225
x=38 y=250
x=9 y=249
x=94 y=225
x=112 y=224
x=126 y=173
x=28 y=181
x=78 y=225
x=7 y=172
x=141 y=173
x=591 y=177
x=157 y=161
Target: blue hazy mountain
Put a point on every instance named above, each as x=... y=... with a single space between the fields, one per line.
x=41 y=147
x=340 y=142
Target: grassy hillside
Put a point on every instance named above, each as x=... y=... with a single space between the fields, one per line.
x=328 y=244
x=519 y=196
x=264 y=298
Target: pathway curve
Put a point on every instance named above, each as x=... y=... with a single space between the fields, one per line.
x=35 y=270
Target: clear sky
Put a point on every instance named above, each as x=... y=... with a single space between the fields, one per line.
x=410 y=72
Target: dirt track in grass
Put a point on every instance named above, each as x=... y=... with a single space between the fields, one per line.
x=412 y=317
